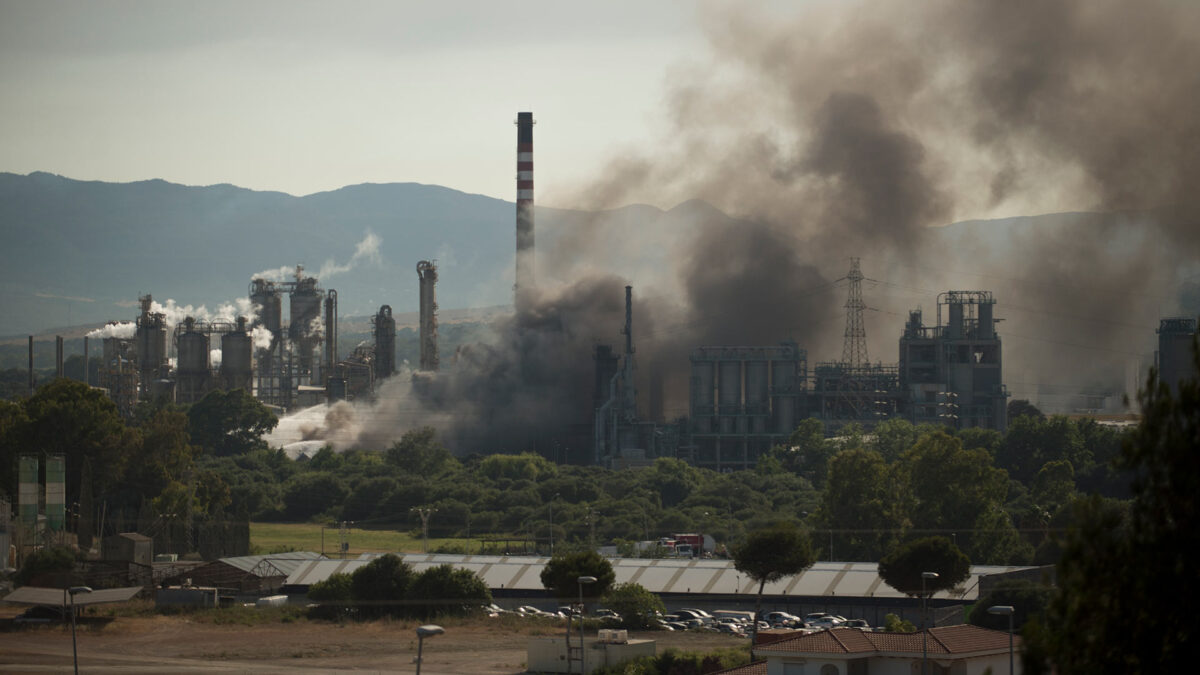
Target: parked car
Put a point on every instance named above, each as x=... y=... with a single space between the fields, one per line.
x=698 y=614
x=783 y=619
x=857 y=623
x=530 y=610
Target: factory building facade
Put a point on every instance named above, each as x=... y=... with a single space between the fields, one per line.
x=951 y=372
x=1174 y=356
x=744 y=400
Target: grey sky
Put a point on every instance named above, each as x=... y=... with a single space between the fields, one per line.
x=309 y=96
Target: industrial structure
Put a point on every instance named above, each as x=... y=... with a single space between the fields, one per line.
x=525 y=251
x=428 y=275
x=619 y=437
x=951 y=372
x=743 y=400
x=746 y=399
x=1173 y=359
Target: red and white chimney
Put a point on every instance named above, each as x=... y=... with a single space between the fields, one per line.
x=525 y=270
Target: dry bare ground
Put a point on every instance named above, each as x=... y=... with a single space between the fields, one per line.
x=177 y=644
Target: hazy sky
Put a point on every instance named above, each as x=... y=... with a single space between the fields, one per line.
x=303 y=97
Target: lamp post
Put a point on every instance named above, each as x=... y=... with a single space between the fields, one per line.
x=924 y=612
x=428 y=630
x=552 y=524
x=73 y=591
x=1006 y=610
x=582 y=653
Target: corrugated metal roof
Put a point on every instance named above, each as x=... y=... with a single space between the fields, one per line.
x=667 y=575
x=284 y=562
x=53 y=597
x=960 y=639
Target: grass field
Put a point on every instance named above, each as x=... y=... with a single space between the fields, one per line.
x=278 y=537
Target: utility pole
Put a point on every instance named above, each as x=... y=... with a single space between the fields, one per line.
x=424 y=512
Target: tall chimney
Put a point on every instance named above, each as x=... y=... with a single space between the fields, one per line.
x=525 y=270
x=31 y=365
x=58 y=356
x=428 y=276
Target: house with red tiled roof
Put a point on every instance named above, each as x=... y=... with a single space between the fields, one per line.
x=952 y=650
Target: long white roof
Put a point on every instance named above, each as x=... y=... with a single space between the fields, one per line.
x=666 y=575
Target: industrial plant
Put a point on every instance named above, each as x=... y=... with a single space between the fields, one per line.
x=742 y=399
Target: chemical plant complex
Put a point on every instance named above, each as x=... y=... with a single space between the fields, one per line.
x=742 y=399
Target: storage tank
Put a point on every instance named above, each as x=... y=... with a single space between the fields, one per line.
x=237 y=369
x=954 y=326
x=756 y=395
x=192 y=369
x=702 y=395
x=729 y=394
x=987 y=327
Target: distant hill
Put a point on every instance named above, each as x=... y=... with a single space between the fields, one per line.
x=79 y=252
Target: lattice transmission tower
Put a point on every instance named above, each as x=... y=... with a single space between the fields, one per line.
x=854 y=349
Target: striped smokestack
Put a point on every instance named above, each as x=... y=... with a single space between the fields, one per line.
x=525 y=276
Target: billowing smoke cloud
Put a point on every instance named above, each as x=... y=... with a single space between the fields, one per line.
x=853 y=130
x=849 y=130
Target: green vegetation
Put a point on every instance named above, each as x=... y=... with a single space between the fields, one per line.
x=903 y=567
x=770 y=554
x=1125 y=600
x=388 y=587
x=561 y=575
x=675 y=662
x=634 y=603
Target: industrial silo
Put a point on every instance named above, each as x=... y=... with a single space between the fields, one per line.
x=192 y=369
x=385 y=343
x=150 y=343
x=757 y=403
x=304 y=327
x=729 y=394
x=236 y=364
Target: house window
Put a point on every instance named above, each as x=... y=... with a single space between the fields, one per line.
x=793 y=668
x=830 y=669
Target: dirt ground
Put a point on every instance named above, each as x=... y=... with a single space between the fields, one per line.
x=176 y=644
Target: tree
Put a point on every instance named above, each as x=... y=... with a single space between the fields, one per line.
x=1019 y=407
x=1027 y=598
x=952 y=489
x=1124 y=602
x=380 y=586
x=903 y=566
x=860 y=504
x=72 y=419
x=772 y=553
x=227 y=423
x=561 y=575
x=419 y=452
x=445 y=590
x=308 y=494
x=634 y=603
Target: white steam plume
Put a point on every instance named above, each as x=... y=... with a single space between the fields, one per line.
x=367 y=250
x=124 y=330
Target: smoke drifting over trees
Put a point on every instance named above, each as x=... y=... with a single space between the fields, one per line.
x=851 y=130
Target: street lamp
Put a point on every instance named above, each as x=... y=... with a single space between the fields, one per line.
x=552 y=524
x=582 y=653
x=1006 y=610
x=73 y=591
x=428 y=630
x=924 y=612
